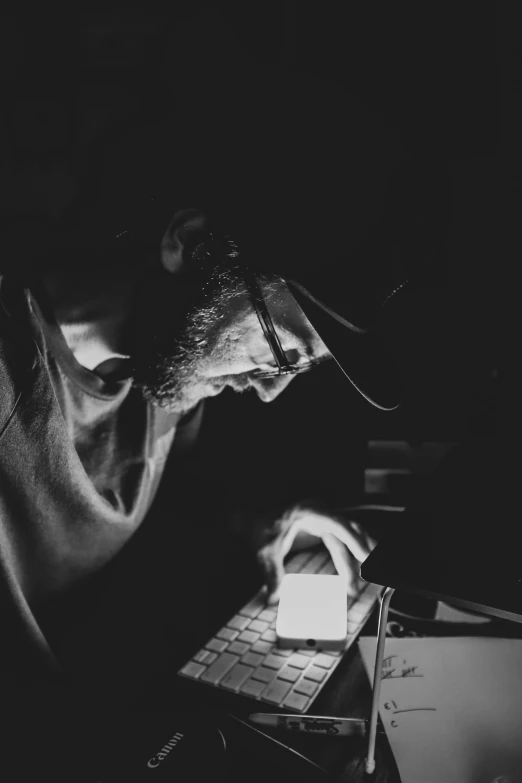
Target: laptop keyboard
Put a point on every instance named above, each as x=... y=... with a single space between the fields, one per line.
x=243 y=656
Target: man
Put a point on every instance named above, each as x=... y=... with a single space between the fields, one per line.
x=197 y=227
x=147 y=309
x=82 y=451
x=225 y=248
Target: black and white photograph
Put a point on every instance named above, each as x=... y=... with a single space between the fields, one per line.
x=258 y=304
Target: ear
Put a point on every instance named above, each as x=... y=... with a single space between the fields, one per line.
x=174 y=238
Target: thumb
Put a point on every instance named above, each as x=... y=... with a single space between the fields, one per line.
x=271 y=561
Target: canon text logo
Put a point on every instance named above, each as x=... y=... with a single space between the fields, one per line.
x=156 y=760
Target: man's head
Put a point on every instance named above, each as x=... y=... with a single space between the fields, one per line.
x=304 y=190
x=198 y=330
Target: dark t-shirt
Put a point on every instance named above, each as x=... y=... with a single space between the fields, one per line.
x=80 y=462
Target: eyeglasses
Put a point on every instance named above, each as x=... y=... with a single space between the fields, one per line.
x=284 y=367
x=205 y=247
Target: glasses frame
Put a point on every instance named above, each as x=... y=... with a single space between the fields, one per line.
x=284 y=367
x=204 y=241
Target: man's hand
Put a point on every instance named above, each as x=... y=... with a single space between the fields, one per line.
x=300 y=528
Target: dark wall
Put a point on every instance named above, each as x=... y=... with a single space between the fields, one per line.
x=68 y=76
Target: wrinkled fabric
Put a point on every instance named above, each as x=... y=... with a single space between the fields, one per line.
x=80 y=463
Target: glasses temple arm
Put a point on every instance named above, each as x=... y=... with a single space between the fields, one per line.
x=265 y=320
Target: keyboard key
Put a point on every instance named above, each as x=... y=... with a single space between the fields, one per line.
x=295 y=701
x=369 y=590
x=289 y=673
x=267 y=615
x=204 y=656
x=262 y=647
x=284 y=653
x=307 y=687
x=372 y=589
x=248 y=636
x=299 y=661
x=367 y=603
x=236 y=677
x=324 y=660
x=253 y=607
x=328 y=568
x=264 y=675
x=238 y=623
x=315 y=673
x=216 y=645
x=276 y=691
x=253 y=659
x=297 y=562
x=193 y=670
x=317 y=562
x=274 y=661
x=238 y=648
x=253 y=688
x=227 y=634
x=217 y=670
x=236 y=657
x=258 y=625
x=357 y=612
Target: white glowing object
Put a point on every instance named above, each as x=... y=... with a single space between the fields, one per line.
x=312 y=612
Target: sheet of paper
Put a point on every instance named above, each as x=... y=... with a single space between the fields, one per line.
x=452 y=707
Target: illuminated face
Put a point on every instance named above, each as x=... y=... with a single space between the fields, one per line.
x=219 y=345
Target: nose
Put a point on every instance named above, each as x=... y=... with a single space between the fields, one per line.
x=270 y=388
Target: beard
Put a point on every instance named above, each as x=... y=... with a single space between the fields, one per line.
x=177 y=328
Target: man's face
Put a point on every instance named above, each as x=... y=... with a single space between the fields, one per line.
x=218 y=345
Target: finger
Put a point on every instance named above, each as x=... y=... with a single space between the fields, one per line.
x=289 y=538
x=271 y=560
x=356 y=542
x=318 y=524
x=303 y=541
x=345 y=564
x=370 y=542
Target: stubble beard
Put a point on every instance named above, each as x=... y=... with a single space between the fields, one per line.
x=172 y=351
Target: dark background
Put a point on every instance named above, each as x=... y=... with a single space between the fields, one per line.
x=71 y=75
